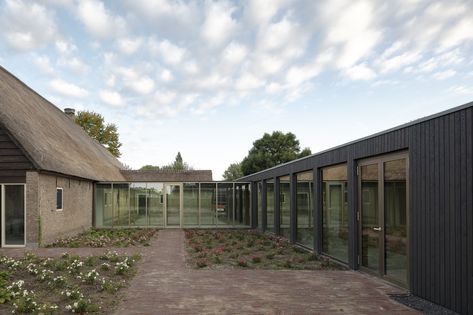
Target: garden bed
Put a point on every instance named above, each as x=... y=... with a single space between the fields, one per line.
x=68 y=284
x=108 y=238
x=249 y=249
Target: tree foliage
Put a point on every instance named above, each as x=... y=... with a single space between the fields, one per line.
x=177 y=165
x=233 y=172
x=271 y=150
x=107 y=134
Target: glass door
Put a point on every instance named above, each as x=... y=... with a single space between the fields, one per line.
x=383 y=189
x=173 y=205
x=12 y=215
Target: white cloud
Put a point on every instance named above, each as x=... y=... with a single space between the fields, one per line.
x=399 y=61
x=166 y=75
x=261 y=12
x=67 y=89
x=74 y=64
x=143 y=85
x=234 y=53
x=458 y=33
x=360 y=72
x=112 y=98
x=442 y=75
x=352 y=27
x=27 y=26
x=171 y=54
x=65 y=47
x=129 y=46
x=248 y=81
x=44 y=64
x=98 y=21
x=219 y=24
x=461 y=90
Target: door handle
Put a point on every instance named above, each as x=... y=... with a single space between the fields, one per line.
x=377 y=229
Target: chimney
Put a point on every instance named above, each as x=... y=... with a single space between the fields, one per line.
x=70 y=112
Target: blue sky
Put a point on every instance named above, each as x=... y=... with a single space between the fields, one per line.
x=207 y=78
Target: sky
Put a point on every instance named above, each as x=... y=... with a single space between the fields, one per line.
x=207 y=78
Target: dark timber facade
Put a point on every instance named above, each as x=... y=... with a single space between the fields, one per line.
x=435 y=153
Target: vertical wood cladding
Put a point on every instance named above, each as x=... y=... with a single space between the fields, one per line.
x=13 y=163
x=441 y=200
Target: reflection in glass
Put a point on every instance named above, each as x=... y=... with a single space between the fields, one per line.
x=395 y=205
x=103 y=205
x=207 y=204
x=155 y=204
x=138 y=203
x=190 y=209
x=242 y=205
x=304 y=209
x=370 y=217
x=224 y=214
x=284 y=206
x=270 y=205
x=14 y=214
x=260 y=205
x=173 y=204
x=120 y=204
x=335 y=212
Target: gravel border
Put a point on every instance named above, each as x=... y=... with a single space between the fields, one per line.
x=421 y=305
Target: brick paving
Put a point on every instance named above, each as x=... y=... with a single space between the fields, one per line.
x=164 y=284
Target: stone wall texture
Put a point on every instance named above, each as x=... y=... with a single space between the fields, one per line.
x=75 y=217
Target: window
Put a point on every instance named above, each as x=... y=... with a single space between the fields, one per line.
x=335 y=212
x=59 y=199
x=304 y=208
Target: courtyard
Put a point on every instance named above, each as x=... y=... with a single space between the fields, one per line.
x=166 y=278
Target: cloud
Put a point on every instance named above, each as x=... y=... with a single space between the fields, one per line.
x=218 y=25
x=129 y=46
x=98 y=21
x=65 y=47
x=171 y=54
x=27 y=26
x=166 y=75
x=44 y=65
x=360 y=72
x=75 y=64
x=68 y=89
x=112 y=98
x=234 y=53
x=442 y=75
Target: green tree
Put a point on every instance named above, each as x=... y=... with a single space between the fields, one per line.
x=271 y=150
x=233 y=172
x=107 y=134
x=149 y=168
x=178 y=164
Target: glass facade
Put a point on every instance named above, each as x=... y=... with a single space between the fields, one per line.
x=285 y=206
x=260 y=205
x=335 y=212
x=305 y=208
x=270 y=205
x=172 y=205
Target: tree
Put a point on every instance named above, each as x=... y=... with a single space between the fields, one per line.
x=107 y=134
x=271 y=150
x=233 y=172
x=149 y=168
x=176 y=166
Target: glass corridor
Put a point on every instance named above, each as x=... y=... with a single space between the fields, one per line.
x=192 y=205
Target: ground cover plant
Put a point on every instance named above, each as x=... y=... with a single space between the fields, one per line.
x=249 y=249
x=66 y=284
x=108 y=238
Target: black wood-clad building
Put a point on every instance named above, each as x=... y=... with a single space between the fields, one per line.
x=398 y=204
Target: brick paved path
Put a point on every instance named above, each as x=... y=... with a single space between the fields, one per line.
x=165 y=285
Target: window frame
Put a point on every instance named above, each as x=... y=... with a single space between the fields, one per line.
x=62 y=199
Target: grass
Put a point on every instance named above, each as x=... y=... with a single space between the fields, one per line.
x=249 y=249
x=108 y=238
x=68 y=284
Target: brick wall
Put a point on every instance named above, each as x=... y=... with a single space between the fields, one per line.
x=76 y=215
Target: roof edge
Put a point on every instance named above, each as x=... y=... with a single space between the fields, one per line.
x=399 y=127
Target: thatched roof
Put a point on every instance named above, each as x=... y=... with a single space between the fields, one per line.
x=51 y=140
x=168 y=176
